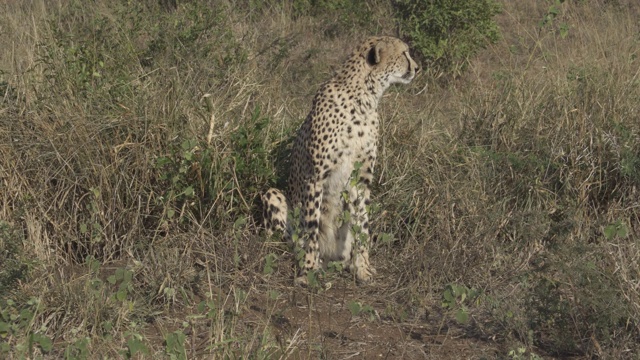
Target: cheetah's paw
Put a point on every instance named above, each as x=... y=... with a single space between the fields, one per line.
x=365 y=274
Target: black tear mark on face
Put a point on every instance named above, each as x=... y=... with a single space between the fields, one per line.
x=371 y=56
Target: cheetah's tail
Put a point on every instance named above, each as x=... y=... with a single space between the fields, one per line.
x=274 y=213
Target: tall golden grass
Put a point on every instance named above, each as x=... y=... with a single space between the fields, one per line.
x=137 y=137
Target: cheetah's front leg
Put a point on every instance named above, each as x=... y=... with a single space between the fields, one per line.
x=360 y=227
x=309 y=242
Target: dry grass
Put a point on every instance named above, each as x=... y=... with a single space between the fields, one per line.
x=128 y=195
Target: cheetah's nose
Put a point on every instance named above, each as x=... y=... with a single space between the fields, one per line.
x=416 y=67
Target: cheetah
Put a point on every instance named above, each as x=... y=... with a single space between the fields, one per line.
x=337 y=141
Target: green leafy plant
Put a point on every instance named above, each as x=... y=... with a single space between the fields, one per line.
x=91 y=229
x=16 y=328
x=457 y=298
x=15 y=266
x=208 y=308
x=175 y=345
x=578 y=284
x=313 y=281
x=521 y=353
x=78 y=349
x=549 y=19
x=335 y=267
x=251 y=164
x=195 y=173
x=358 y=309
x=386 y=238
x=616 y=230
x=135 y=343
x=269 y=263
x=181 y=171
x=341 y=15
x=122 y=278
x=448 y=32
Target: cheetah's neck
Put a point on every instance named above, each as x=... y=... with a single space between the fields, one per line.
x=364 y=85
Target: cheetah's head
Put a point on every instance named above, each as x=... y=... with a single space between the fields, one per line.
x=389 y=60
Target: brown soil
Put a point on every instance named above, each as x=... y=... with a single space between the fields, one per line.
x=328 y=329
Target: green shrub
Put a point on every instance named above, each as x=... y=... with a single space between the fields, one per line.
x=14 y=266
x=192 y=174
x=447 y=33
x=576 y=293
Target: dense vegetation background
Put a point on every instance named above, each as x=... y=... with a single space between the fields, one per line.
x=136 y=136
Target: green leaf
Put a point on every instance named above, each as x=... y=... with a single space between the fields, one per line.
x=188 y=145
x=121 y=294
x=175 y=345
x=45 y=343
x=107 y=326
x=335 y=266
x=77 y=350
x=385 y=238
x=111 y=279
x=354 y=307
x=177 y=338
x=461 y=316
x=95 y=285
x=127 y=276
x=26 y=315
x=202 y=306
x=163 y=160
x=136 y=346
x=267 y=270
x=188 y=191
x=94 y=264
x=622 y=231
x=268 y=264
x=312 y=279
x=564 y=30
x=119 y=273
x=610 y=231
x=240 y=222
x=448 y=296
x=4 y=328
x=357 y=165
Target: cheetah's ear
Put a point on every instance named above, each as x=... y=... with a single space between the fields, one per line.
x=373 y=55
